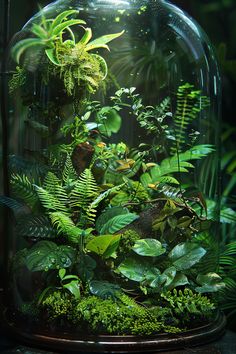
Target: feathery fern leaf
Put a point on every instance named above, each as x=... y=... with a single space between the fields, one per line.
x=24 y=189
x=65 y=226
x=84 y=193
x=16 y=207
x=52 y=184
x=190 y=103
x=69 y=172
x=35 y=227
x=50 y=201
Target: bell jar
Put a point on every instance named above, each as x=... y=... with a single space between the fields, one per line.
x=114 y=178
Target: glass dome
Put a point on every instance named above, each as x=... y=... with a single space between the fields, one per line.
x=114 y=172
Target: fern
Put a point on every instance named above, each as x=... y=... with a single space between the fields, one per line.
x=24 y=189
x=65 y=225
x=190 y=103
x=69 y=172
x=83 y=194
x=53 y=185
x=177 y=163
x=35 y=227
x=50 y=201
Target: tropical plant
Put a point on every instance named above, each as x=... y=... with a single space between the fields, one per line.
x=110 y=231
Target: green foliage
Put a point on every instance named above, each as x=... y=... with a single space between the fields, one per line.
x=57 y=305
x=185 y=255
x=18 y=79
x=104 y=289
x=127 y=241
x=118 y=222
x=114 y=317
x=24 y=189
x=104 y=245
x=35 y=227
x=188 y=306
x=148 y=247
x=190 y=103
x=47 y=255
x=83 y=194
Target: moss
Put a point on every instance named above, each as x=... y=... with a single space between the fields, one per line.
x=18 y=79
x=80 y=70
x=120 y=317
x=188 y=306
x=29 y=309
x=127 y=241
x=58 y=305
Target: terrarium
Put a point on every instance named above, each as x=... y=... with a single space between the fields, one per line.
x=114 y=177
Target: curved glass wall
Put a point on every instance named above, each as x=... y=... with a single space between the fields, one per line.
x=114 y=165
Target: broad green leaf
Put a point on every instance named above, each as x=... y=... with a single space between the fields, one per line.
x=210 y=282
x=109 y=214
x=146 y=180
x=102 y=41
x=104 y=245
x=104 y=289
x=110 y=121
x=185 y=255
x=46 y=255
x=74 y=288
x=117 y=223
x=62 y=273
x=179 y=280
x=85 y=267
x=24 y=44
x=149 y=247
x=135 y=269
x=61 y=27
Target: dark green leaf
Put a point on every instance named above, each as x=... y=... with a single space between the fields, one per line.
x=104 y=245
x=118 y=222
x=46 y=255
x=185 y=255
x=110 y=121
x=149 y=247
x=210 y=283
x=104 y=289
x=135 y=269
x=85 y=267
x=109 y=214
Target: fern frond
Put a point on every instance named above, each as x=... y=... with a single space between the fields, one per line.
x=69 y=172
x=52 y=184
x=85 y=191
x=190 y=103
x=63 y=223
x=50 y=201
x=24 y=189
x=35 y=227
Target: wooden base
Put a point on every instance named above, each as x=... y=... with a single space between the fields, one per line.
x=120 y=344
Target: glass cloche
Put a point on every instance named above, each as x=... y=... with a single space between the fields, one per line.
x=113 y=174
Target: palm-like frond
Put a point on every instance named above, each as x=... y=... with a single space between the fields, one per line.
x=69 y=172
x=24 y=189
x=65 y=225
x=84 y=192
x=50 y=201
x=190 y=103
x=53 y=185
x=35 y=227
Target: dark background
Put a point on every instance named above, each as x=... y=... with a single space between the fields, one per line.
x=217 y=17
